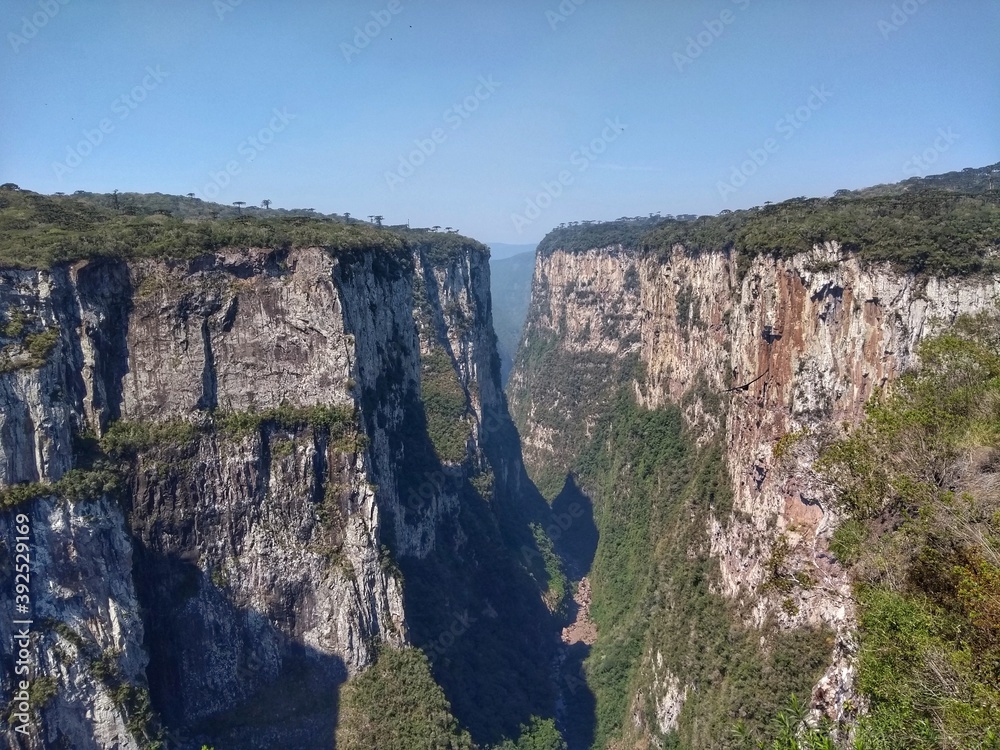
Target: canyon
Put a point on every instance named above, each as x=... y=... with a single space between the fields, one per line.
x=253 y=472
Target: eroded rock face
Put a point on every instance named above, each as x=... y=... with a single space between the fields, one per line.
x=792 y=348
x=244 y=574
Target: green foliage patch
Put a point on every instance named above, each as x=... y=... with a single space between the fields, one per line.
x=445 y=406
x=39 y=231
x=540 y=734
x=338 y=420
x=29 y=351
x=932 y=231
x=127 y=438
x=652 y=582
x=77 y=485
x=918 y=481
x=396 y=705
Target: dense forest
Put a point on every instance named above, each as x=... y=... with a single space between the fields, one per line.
x=945 y=225
x=39 y=231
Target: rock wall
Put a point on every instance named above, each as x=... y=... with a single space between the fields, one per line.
x=791 y=349
x=240 y=574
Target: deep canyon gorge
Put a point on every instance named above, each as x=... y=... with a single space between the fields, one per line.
x=275 y=488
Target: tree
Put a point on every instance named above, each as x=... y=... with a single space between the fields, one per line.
x=190 y=195
x=265 y=203
x=239 y=206
x=347 y=215
x=396 y=705
x=114 y=197
x=9 y=186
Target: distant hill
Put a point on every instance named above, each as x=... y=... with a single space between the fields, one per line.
x=510 y=284
x=969 y=180
x=500 y=250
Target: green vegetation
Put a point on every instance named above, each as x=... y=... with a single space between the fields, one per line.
x=338 y=420
x=557 y=594
x=484 y=484
x=788 y=731
x=930 y=231
x=788 y=441
x=918 y=480
x=653 y=584
x=579 y=378
x=29 y=351
x=440 y=248
x=540 y=734
x=77 y=485
x=396 y=705
x=15 y=324
x=38 y=231
x=445 y=405
x=41 y=690
x=128 y=438
x=589 y=235
x=132 y=701
x=970 y=180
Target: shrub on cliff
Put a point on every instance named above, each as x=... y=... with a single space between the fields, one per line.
x=920 y=482
x=396 y=705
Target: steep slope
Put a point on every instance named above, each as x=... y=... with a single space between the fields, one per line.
x=245 y=471
x=687 y=391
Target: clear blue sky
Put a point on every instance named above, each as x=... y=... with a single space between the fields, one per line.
x=222 y=68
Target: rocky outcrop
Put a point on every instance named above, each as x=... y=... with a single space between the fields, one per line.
x=772 y=357
x=248 y=563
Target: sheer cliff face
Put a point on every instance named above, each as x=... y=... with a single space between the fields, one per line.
x=790 y=349
x=243 y=571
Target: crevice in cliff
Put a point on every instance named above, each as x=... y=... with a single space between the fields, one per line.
x=104 y=298
x=209 y=379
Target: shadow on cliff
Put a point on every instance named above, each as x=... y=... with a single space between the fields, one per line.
x=575 y=538
x=475 y=602
x=224 y=676
x=576 y=542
